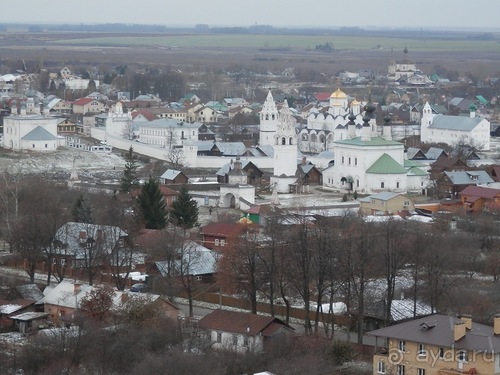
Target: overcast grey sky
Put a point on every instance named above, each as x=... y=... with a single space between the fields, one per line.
x=455 y=14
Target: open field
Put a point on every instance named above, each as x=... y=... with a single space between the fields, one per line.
x=270 y=42
x=202 y=53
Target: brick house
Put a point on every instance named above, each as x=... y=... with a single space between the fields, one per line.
x=437 y=344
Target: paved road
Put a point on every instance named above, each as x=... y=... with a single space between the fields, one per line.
x=340 y=334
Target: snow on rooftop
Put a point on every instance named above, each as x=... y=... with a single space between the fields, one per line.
x=381 y=219
x=9 y=309
x=421 y=218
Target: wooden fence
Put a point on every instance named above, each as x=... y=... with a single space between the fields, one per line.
x=262 y=307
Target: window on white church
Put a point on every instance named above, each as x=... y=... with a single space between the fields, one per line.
x=382 y=185
x=355 y=161
x=397 y=185
x=342 y=160
x=349 y=161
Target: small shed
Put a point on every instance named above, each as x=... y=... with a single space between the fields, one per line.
x=29 y=321
x=11 y=308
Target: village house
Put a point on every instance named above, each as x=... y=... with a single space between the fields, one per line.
x=205 y=133
x=254 y=174
x=73 y=241
x=242 y=332
x=217 y=235
x=87 y=105
x=206 y=115
x=8 y=309
x=62 y=303
x=385 y=203
x=456 y=181
x=307 y=174
x=193 y=261
x=476 y=198
x=172 y=176
x=66 y=126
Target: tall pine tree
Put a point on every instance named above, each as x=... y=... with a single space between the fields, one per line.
x=82 y=213
x=184 y=211
x=129 y=178
x=152 y=205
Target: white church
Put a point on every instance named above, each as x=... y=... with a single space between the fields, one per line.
x=370 y=163
x=328 y=125
x=473 y=130
x=31 y=130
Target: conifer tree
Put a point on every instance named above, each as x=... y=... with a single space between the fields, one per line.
x=184 y=211
x=82 y=213
x=129 y=178
x=152 y=205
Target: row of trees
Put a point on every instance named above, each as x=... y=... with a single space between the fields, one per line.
x=296 y=260
x=36 y=222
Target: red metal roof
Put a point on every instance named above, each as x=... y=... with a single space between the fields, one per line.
x=147 y=115
x=83 y=101
x=221 y=229
x=480 y=192
x=322 y=96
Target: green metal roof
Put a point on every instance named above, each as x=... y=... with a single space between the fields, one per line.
x=373 y=142
x=482 y=99
x=386 y=165
x=412 y=163
x=415 y=171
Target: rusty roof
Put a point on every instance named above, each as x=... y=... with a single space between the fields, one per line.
x=221 y=229
x=240 y=322
x=480 y=192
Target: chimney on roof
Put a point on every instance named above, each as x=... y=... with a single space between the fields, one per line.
x=472 y=110
x=467 y=319
x=459 y=330
x=496 y=324
x=77 y=288
x=304 y=160
x=82 y=237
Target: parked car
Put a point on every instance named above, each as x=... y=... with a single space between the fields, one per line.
x=138 y=288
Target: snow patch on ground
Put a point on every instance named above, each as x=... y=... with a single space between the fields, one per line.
x=63 y=161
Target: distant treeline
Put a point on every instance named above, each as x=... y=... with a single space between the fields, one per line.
x=254 y=29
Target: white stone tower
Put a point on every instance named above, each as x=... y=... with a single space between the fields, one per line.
x=285 y=144
x=268 y=121
x=119 y=123
x=425 y=122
